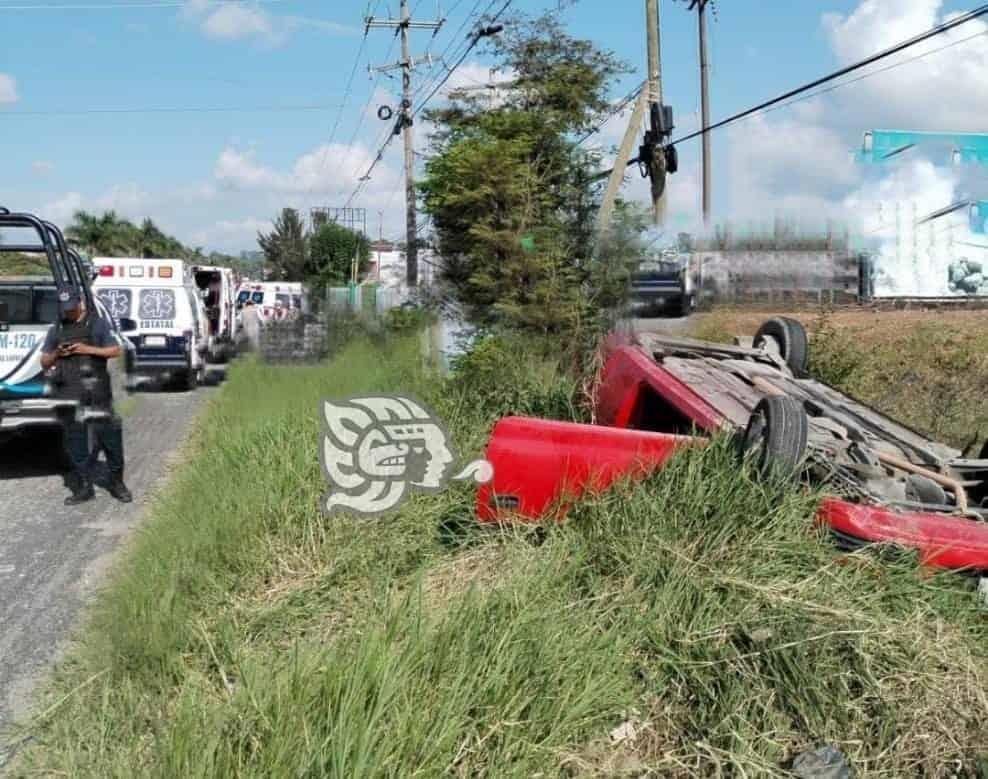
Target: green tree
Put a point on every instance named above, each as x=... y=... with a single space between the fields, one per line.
x=150 y=241
x=332 y=249
x=286 y=247
x=509 y=188
x=100 y=235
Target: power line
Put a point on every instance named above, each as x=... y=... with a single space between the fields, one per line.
x=370 y=98
x=321 y=163
x=455 y=40
x=171 y=110
x=127 y=6
x=864 y=76
x=938 y=30
x=475 y=40
x=630 y=98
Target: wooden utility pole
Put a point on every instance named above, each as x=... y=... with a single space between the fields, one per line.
x=701 y=16
x=404 y=125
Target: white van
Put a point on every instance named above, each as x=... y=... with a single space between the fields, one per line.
x=215 y=285
x=272 y=299
x=158 y=308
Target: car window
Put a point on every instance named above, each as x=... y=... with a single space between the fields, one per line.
x=243 y=297
x=257 y=297
x=283 y=300
x=27 y=288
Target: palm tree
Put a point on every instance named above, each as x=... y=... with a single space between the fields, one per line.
x=151 y=242
x=106 y=235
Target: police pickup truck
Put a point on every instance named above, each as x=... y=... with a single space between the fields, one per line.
x=34 y=264
x=663 y=285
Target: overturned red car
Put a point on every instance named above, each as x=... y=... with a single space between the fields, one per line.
x=887 y=483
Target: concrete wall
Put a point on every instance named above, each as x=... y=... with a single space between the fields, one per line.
x=777 y=276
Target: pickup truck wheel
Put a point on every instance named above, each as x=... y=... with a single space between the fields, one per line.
x=787 y=338
x=775 y=438
x=190 y=378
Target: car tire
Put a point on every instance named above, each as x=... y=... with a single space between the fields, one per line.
x=190 y=378
x=788 y=338
x=775 y=437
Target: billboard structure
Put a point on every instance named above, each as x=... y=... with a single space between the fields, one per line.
x=931 y=243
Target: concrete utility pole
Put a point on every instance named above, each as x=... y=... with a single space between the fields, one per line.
x=652 y=154
x=701 y=7
x=616 y=179
x=655 y=99
x=404 y=126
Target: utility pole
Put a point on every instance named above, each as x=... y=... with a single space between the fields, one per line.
x=402 y=25
x=616 y=178
x=701 y=16
x=655 y=99
x=655 y=159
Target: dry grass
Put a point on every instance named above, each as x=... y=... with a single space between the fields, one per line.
x=926 y=368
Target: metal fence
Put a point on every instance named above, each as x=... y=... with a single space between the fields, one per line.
x=367 y=299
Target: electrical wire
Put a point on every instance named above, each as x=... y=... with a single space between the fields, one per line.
x=391 y=134
x=864 y=76
x=321 y=162
x=631 y=97
x=126 y=6
x=172 y=110
x=457 y=41
x=761 y=107
x=370 y=98
x=475 y=40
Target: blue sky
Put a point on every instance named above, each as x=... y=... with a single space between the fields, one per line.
x=215 y=176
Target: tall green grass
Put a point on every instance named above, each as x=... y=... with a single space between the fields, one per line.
x=246 y=635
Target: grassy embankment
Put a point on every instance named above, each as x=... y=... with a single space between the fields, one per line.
x=246 y=635
x=929 y=368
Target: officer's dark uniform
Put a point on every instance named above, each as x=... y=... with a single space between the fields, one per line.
x=86 y=379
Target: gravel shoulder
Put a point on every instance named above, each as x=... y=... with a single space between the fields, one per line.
x=53 y=557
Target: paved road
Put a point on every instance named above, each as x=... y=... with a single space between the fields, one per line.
x=52 y=556
x=666 y=325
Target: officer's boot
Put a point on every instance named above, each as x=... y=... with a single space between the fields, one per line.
x=118 y=489
x=82 y=490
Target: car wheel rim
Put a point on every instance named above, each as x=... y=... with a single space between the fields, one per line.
x=770 y=344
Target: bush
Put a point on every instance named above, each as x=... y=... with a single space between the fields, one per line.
x=501 y=375
x=835 y=356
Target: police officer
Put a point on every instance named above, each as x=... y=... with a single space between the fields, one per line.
x=79 y=347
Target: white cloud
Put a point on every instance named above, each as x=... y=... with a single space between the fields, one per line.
x=43 y=167
x=794 y=166
x=798 y=161
x=233 y=20
x=236 y=22
x=230 y=232
x=942 y=89
x=328 y=170
x=8 y=89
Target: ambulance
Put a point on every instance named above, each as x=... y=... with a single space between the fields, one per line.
x=158 y=308
x=216 y=289
x=272 y=299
